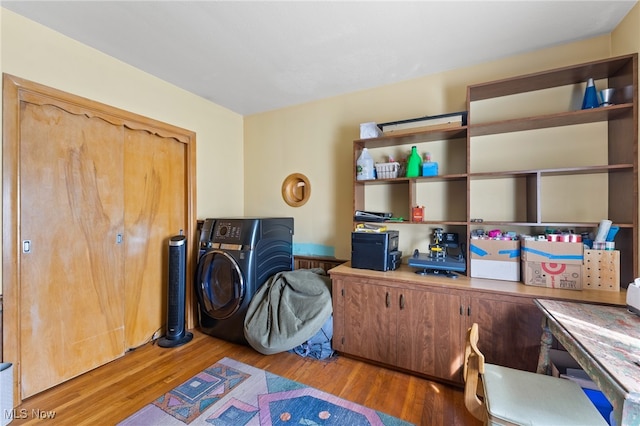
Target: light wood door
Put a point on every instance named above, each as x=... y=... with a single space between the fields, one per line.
x=429 y=339
x=155 y=210
x=91 y=190
x=71 y=268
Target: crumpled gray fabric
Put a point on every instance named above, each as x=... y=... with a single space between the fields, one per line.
x=288 y=310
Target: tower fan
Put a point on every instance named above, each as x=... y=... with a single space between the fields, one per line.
x=176 y=333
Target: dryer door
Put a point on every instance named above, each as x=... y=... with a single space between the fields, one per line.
x=220 y=284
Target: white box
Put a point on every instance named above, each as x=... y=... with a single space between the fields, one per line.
x=6 y=393
x=495 y=259
x=495 y=270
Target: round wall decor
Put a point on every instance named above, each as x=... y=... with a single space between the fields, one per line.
x=296 y=189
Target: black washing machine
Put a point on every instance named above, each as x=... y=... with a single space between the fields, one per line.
x=236 y=257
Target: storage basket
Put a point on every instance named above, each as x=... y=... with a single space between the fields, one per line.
x=387 y=170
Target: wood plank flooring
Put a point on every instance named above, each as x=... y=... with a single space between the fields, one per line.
x=112 y=392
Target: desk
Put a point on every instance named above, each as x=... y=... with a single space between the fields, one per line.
x=605 y=341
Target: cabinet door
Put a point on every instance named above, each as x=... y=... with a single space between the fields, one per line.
x=71 y=265
x=509 y=329
x=429 y=339
x=370 y=321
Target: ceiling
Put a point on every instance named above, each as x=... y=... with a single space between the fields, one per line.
x=256 y=56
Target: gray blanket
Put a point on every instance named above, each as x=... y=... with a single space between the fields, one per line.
x=288 y=310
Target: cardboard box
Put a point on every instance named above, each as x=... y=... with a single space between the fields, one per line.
x=553 y=265
x=495 y=259
x=544 y=251
x=552 y=275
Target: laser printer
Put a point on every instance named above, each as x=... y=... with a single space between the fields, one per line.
x=377 y=251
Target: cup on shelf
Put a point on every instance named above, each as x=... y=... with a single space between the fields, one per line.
x=606 y=96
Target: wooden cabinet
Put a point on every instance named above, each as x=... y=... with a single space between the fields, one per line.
x=310 y=262
x=529 y=159
x=418 y=324
x=413 y=329
x=509 y=326
x=428 y=336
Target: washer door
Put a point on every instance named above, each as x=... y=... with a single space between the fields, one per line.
x=219 y=284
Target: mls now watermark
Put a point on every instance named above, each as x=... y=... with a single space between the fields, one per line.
x=34 y=413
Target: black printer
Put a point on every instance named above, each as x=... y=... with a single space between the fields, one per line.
x=375 y=250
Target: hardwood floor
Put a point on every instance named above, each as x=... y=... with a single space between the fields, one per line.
x=112 y=392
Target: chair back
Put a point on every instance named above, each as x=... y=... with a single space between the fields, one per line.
x=473 y=369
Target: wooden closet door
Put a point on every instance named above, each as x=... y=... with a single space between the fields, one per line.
x=155 y=209
x=71 y=268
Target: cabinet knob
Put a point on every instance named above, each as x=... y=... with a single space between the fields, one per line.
x=388 y=300
x=402 y=301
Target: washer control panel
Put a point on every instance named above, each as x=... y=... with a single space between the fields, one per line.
x=228 y=231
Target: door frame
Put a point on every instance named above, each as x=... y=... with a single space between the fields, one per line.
x=16 y=90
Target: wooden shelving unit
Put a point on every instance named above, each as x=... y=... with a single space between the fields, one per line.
x=458 y=179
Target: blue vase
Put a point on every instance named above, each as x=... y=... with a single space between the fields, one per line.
x=590 y=99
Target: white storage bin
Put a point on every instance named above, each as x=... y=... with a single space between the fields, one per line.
x=6 y=393
x=387 y=170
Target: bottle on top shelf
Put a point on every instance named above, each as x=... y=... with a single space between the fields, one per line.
x=413 y=163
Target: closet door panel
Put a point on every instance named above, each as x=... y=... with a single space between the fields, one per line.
x=155 y=209
x=71 y=266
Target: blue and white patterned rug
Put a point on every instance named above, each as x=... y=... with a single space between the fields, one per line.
x=230 y=393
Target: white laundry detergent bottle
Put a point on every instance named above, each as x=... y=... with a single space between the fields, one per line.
x=365 y=166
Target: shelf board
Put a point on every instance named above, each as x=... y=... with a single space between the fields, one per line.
x=413 y=138
x=546 y=79
x=439 y=178
x=568 y=118
x=425 y=222
x=547 y=224
x=439 y=222
x=553 y=172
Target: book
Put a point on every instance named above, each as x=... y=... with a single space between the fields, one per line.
x=449 y=120
x=370 y=227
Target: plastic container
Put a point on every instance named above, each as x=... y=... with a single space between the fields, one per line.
x=429 y=168
x=365 y=166
x=413 y=163
x=601 y=402
x=387 y=170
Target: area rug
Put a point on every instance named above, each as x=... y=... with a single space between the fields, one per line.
x=230 y=393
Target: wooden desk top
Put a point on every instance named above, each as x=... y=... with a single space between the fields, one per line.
x=605 y=340
x=406 y=275
x=609 y=334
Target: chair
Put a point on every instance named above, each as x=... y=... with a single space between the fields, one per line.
x=499 y=395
